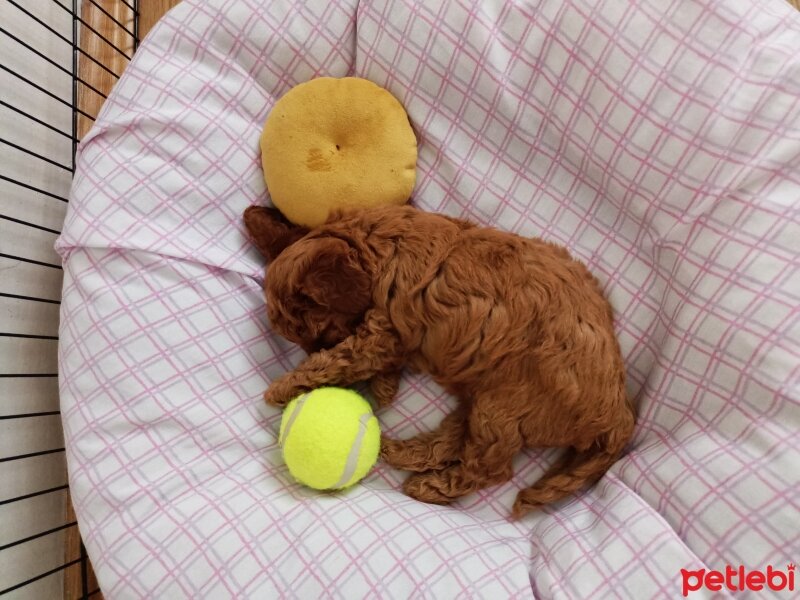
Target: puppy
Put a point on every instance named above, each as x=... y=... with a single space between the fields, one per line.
x=515 y=328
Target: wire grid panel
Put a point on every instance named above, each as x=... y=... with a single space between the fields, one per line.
x=58 y=61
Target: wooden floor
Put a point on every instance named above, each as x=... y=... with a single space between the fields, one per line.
x=116 y=25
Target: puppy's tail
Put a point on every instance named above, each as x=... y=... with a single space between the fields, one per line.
x=576 y=469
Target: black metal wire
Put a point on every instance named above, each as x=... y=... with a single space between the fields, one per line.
x=31 y=298
x=30 y=454
x=75 y=44
x=84 y=572
x=29 y=336
x=29 y=416
x=36 y=154
x=58 y=488
x=36 y=536
x=42 y=576
x=33 y=188
x=27 y=375
x=29 y=224
x=30 y=260
x=135 y=9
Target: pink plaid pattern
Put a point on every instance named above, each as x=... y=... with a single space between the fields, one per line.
x=658 y=140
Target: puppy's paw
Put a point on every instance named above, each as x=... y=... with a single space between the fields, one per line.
x=426 y=487
x=412 y=455
x=273 y=397
x=281 y=392
x=396 y=453
x=525 y=504
x=384 y=388
x=441 y=486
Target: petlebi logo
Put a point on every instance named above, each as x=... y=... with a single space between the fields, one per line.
x=739 y=579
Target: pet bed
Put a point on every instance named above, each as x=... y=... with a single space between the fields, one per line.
x=659 y=141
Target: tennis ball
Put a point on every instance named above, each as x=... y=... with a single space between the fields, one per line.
x=331 y=144
x=330 y=438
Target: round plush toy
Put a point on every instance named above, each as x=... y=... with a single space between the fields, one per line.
x=337 y=143
x=330 y=438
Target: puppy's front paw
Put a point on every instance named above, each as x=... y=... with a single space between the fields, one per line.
x=384 y=388
x=281 y=392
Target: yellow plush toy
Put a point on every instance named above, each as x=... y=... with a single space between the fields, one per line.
x=337 y=143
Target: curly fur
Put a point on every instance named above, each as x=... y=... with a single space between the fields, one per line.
x=514 y=327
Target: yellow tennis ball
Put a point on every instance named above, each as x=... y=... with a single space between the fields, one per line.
x=330 y=438
x=337 y=143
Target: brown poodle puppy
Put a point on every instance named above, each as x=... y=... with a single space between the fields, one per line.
x=514 y=327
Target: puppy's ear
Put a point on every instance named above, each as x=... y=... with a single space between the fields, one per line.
x=270 y=231
x=336 y=280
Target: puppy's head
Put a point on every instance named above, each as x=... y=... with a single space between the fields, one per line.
x=316 y=288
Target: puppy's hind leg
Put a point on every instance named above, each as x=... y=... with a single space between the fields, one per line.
x=431 y=450
x=493 y=438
